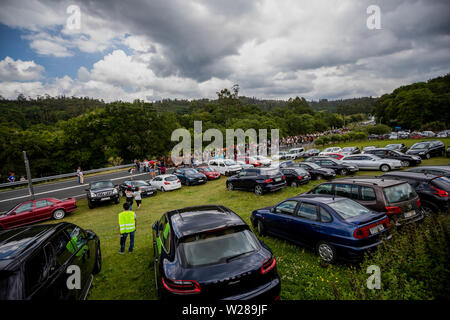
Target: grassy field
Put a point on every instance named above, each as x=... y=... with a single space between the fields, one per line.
x=131 y=276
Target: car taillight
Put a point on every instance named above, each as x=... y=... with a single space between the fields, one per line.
x=178 y=180
x=393 y=210
x=284 y=177
x=268 y=265
x=181 y=286
x=166 y=183
x=268 y=180
x=300 y=177
x=419 y=203
x=439 y=192
x=364 y=232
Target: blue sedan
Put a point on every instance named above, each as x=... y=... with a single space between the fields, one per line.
x=333 y=226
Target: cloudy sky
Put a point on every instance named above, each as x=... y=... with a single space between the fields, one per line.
x=192 y=48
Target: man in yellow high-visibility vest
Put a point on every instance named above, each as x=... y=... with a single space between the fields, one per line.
x=127 y=226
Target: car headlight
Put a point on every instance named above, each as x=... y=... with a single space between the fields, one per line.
x=115 y=191
x=92 y=194
x=422 y=152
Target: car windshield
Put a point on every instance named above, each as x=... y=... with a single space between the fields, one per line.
x=229 y=162
x=207 y=169
x=102 y=184
x=398 y=193
x=347 y=208
x=270 y=172
x=420 y=146
x=313 y=165
x=140 y=183
x=300 y=171
x=171 y=178
x=211 y=248
x=191 y=171
x=347 y=149
x=392 y=146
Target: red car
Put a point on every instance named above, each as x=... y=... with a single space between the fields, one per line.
x=337 y=156
x=209 y=172
x=36 y=210
x=249 y=160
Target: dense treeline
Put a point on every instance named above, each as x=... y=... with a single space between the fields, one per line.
x=345 y=106
x=416 y=106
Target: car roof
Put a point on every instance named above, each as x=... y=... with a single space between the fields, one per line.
x=320 y=198
x=381 y=182
x=198 y=219
x=412 y=175
x=17 y=243
x=444 y=168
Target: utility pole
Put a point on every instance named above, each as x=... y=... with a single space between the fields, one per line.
x=27 y=167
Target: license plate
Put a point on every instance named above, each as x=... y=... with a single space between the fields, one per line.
x=277 y=179
x=376 y=229
x=410 y=214
x=107 y=198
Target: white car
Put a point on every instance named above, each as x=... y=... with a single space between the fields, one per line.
x=428 y=134
x=329 y=150
x=244 y=165
x=226 y=167
x=166 y=182
x=263 y=160
x=295 y=153
x=280 y=155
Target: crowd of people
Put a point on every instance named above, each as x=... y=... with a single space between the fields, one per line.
x=308 y=138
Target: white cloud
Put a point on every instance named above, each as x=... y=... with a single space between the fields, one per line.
x=13 y=70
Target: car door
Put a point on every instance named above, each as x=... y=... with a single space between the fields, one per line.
x=368 y=197
x=280 y=218
x=368 y=162
x=180 y=174
x=157 y=182
x=42 y=209
x=249 y=181
x=23 y=214
x=324 y=188
x=304 y=226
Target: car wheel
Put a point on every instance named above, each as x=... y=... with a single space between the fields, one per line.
x=326 y=252
x=427 y=156
x=405 y=163
x=319 y=177
x=59 y=214
x=258 y=190
x=98 y=261
x=162 y=189
x=117 y=201
x=294 y=184
x=90 y=205
x=385 y=168
x=230 y=186
x=187 y=182
x=123 y=193
x=261 y=229
x=343 y=172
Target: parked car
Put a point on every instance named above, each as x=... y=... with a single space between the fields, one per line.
x=336 y=227
x=397 y=146
x=432 y=190
x=315 y=171
x=210 y=253
x=373 y=136
x=416 y=135
x=37 y=261
x=225 y=167
x=443 y=134
x=311 y=153
x=36 y=210
x=244 y=165
x=368 y=161
x=393 y=136
x=448 y=152
x=336 y=156
x=406 y=159
x=427 y=149
x=350 y=150
x=144 y=187
x=102 y=192
x=249 y=160
x=295 y=153
x=295 y=176
x=259 y=180
x=263 y=160
x=330 y=150
x=368 y=148
x=428 y=134
x=398 y=199
x=338 y=166
x=209 y=172
x=435 y=170
x=166 y=182
x=190 y=176
x=281 y=155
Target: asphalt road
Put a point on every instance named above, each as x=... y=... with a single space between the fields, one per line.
x=63 y=189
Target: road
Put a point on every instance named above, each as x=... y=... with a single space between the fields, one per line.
x=63 y=189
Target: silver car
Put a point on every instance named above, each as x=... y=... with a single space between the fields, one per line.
x=372 y=162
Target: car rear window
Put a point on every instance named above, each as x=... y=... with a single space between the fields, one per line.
x=399 y=193
x=270 y=172
x=218 y=247
x=171 y=178
x=347 y=208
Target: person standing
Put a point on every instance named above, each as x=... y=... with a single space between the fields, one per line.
x=130 y=195
x=127 y=226
x=12 y=177
x=137 y=197
x=80 y=176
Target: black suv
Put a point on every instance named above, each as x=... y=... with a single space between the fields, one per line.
x=259 y=180
x=406 y=159
x=144 y=187
x=38 y=262
x=436 y=170
x=209 y=252
x=427 y=149
x=295 y=176
x=397 y=198
x=339 y=167
x=397 y=146
x=101 y=192
x=433 y=190
x=189 y=176
x=315 y=171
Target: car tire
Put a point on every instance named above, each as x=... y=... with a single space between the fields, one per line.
x=98 y=261
x=260 y=228
x=343 y=172
x=385 y=168
x=428 y=156
x=405 y=163
x=90 y=205
x=258 y=190
x=230 y=186
x=117 y=201
x=326 y=252
x=162 y=189
x=294 y=184
x=187 y=182
x=59 y=214
x=319 y=177
x=123 y=193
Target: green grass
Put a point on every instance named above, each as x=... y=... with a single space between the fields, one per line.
x=131 y=276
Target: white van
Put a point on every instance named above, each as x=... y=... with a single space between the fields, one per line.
x=225 y=166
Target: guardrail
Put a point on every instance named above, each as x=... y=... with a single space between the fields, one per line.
x=60 y=176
